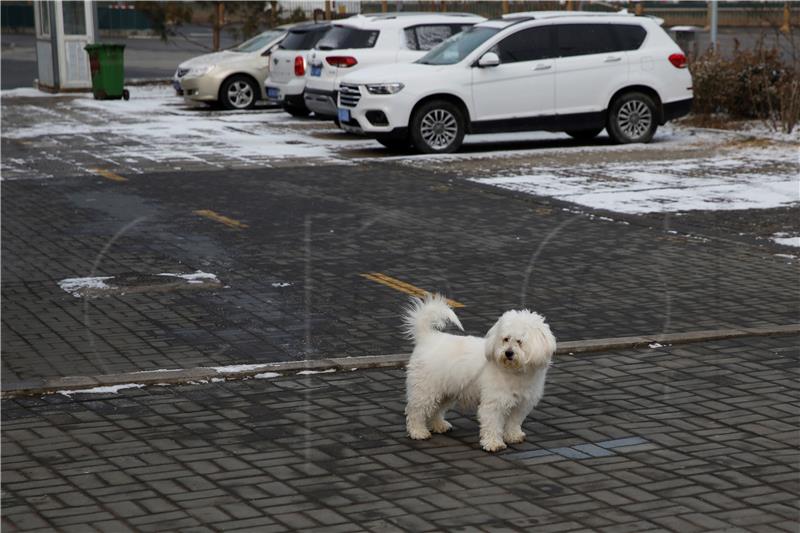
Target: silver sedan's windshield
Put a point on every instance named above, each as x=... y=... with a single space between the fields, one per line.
x=458 y=46
x=258 y=42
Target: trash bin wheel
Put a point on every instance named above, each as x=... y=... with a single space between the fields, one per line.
x=126 y=94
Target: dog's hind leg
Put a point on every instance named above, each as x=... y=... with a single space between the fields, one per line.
x=438 y=423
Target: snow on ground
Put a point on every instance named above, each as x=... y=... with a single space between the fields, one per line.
x=74 y=286
x=197 y=277
x=30 y=92
x=745 y=179
x=787 y=239
x=110 y=389
x=158 y=126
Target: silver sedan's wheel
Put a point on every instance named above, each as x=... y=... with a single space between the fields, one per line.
x=238 y=92
x=437 y=127
x=632 y=118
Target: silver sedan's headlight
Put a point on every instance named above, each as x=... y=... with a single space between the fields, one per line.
x=384 y=88
x=196 y=72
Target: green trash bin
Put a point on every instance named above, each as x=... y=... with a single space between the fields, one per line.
x=108 y=71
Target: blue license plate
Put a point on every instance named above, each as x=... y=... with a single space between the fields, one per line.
x=273 y=93
x=316 y=70
x=344 y=115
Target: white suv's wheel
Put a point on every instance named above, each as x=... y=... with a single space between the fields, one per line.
x=238 y=92
x=632 y=118
x=437 y=127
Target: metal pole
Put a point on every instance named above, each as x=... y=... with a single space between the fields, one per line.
x=713 y=5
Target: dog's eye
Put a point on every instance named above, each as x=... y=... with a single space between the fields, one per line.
x=519 y=342
x=505 y=340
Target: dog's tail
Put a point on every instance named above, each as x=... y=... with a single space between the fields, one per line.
x=423 y=317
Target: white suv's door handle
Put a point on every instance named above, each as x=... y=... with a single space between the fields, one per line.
x=612 y=59
x=542 y=66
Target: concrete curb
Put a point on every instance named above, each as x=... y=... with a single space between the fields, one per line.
x=43 y=386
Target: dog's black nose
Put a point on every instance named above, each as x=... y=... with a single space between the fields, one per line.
x=510 y=354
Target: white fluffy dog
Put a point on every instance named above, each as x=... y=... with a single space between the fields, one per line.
x=502 y=374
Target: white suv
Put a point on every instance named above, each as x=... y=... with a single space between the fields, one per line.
x=551 y=71
x=374 y=40
x=287 y=75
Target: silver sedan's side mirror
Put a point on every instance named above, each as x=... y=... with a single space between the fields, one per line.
x=489 y=59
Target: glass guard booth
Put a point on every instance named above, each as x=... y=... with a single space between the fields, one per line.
x=63 y=28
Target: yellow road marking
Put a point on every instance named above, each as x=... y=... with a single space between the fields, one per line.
x=402 y=286
x=108 y=174
x=216 y=217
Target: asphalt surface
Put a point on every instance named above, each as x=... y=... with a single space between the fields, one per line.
x=293 y=273
x=691 y=438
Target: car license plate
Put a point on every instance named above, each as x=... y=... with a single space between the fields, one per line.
x=344 y=115
x=273 y=93
x=316 y=70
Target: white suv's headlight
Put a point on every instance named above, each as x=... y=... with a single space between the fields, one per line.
x=196 y=72
x=384 y=88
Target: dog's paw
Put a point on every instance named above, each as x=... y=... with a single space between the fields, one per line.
x=493 y=445
x=514 y=437
x=441 y=426
x=419 y=433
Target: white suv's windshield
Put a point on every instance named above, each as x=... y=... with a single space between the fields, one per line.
x=458 y=46
x=258 y=42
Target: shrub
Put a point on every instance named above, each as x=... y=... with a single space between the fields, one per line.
x=753 y=84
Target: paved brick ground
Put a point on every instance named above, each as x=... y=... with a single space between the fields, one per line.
x=293 y=284
x=692 y=438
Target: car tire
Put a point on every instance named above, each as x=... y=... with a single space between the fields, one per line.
x=297 y=111
x=584 y=135
x=632 y=118
x=394 y=144
x=437 y=127
x=238 y=92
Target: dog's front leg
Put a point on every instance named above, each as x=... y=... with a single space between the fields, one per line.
x=513 y=434
x=491 y=418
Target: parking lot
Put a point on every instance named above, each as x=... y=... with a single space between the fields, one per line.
x=287 y=239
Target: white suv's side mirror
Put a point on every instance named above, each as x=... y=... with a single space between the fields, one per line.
x=489 y=59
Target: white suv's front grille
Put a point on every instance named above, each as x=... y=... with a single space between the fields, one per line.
x=349 y=95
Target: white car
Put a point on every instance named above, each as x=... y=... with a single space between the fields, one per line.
x=287 y=76
x=232 y=78
x=363 y=40
x=552 y=71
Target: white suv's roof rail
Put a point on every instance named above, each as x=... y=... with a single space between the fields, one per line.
x=557 y=14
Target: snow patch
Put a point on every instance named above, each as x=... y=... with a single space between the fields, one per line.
x=233 y=369
x=196 y=277
x=310 y=372
x=75 y=285
x=710 y=184
x=267 y=375
x=110 y=389
x=281 y=285
x=787 y=239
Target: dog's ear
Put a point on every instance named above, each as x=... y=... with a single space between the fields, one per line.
x=490 y=341
x=542 y=346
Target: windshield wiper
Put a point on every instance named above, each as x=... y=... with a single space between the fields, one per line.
x=325 y=47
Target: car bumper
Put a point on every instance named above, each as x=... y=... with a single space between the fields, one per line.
x=202 y=89
x=321 y=102
x=379 y=114
x=677 y=109
x=286 y=90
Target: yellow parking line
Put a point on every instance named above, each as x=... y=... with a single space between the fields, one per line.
x=216 y=217
x=402 y=286
x=108 y=174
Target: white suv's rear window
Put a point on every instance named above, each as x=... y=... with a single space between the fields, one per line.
x=345 y=37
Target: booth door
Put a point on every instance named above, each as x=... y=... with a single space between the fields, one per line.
x=76 y=23
x=43 y=16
